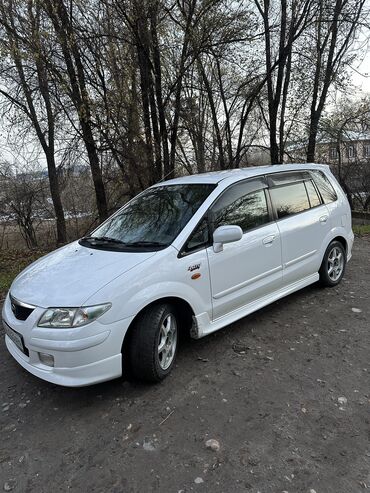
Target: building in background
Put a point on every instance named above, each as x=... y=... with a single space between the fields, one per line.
x=344 y=149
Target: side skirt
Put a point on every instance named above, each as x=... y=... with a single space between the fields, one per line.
x=202 y=326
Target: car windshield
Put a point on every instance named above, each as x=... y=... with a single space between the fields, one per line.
x=152 y=220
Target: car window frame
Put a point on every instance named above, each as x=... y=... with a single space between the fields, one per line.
x=318 y=194
x=302 y=176
x=297 y=176
x=183 y=252
x=277 y=218
x=132 y=249
x=263 y=185
x=312 y=173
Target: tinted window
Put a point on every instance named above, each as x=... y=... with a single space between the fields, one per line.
x=247 y=210
x=312 y=194
x=199 y=237
x=277 y=179
x=154 y=218
x=325 y=187
x=290 y=199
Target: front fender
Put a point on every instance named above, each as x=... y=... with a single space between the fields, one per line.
x=167 y=289
x=164 y=276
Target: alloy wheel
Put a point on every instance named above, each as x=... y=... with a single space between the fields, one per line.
x=335 y=263
x=167 y=341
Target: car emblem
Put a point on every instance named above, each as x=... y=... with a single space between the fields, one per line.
x=13 y=306
x=194 y=267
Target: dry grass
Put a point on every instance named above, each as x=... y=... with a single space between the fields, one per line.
x=363 y=229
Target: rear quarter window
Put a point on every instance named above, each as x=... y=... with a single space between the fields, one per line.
x=326 y=189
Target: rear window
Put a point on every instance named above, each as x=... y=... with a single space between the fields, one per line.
x=325 y=187
x=290 y=199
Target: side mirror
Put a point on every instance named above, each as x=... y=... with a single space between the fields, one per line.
x=226 y=234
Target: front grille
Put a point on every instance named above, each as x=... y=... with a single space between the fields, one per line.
x=21 y=310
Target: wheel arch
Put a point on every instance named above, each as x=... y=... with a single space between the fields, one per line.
x=341 y=240
x=325 y=279
x=186 y=314
x=329 y=241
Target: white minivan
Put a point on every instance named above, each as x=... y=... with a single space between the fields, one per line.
x=192 y=254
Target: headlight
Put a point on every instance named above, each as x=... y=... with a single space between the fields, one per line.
x=72 y=317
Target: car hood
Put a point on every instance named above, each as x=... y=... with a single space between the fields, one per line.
x=72 y=274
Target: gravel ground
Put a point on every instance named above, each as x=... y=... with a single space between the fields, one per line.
x=285 y=392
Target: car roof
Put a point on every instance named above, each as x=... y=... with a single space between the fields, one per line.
x=238 y=174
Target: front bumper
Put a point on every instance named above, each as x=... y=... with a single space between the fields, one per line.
x=82 y=356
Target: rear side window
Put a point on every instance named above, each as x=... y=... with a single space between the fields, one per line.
x=247 y=210
x=312 y=194
x=290 y=199
x=325 y=187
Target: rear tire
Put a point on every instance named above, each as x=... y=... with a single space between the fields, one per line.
x=333 y=265
x=154 y=342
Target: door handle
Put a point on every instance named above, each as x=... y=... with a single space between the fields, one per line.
x=268 y=240
x=323 y=219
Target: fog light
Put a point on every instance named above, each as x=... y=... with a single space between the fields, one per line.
x=46 y=359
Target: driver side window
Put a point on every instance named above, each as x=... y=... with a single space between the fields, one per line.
x=238 y=206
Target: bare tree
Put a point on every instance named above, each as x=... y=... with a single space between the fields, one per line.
x=345 y=127
x=67 y=37
x=30 y=90
x=278 y=58
x=24 y=195
x=143 y=90
x=336 y=23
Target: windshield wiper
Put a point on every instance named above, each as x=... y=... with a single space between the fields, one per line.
x=146 y=243
x=106 y=239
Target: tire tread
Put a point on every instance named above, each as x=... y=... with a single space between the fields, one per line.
x=143 y=345
x=324 y=278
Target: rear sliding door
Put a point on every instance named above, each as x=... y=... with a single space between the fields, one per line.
x=303 y=222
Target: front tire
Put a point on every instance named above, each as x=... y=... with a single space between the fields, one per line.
x=333 y=264
x=154 y=343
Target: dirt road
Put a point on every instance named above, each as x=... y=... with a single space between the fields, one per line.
x=285 y=392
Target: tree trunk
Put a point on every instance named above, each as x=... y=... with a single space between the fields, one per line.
x=311 y=147
x=283 y=108
x=79 y=96
x=177 y=105
x=55 y=197
x=43 y=87
x=212 y=105
x=159 y=94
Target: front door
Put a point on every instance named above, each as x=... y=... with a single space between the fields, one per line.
x=250 y=268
